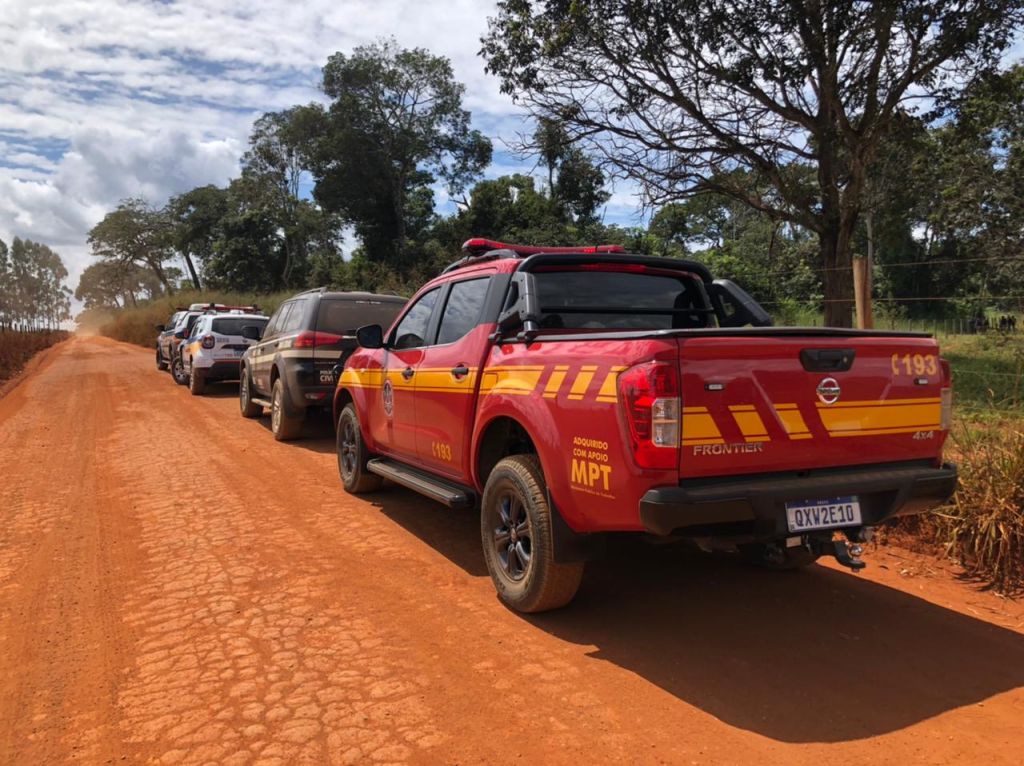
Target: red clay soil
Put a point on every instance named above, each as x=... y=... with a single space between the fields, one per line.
x=177 y=587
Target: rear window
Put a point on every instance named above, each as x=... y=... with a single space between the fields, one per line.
x=344 y=317
x=234 y=325
x=620 y=300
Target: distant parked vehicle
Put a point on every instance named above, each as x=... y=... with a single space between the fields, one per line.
x=214 y=348
x=178 y=327
x=294 y=365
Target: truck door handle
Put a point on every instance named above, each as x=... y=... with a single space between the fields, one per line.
x=408 y=372
x=460 y=371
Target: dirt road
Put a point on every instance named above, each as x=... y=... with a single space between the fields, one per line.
x=176 y=587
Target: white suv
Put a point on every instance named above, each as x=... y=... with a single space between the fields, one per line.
x=215 y=346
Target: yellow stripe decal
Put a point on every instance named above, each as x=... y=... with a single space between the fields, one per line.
x=517 y=381
x=555 y=381
x=879 y=417
x=608 y=388
x=699 y=427
x=749 y=422
x=792 y=421
x=582 y=382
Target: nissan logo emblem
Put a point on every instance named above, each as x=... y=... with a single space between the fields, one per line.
x=828 y=391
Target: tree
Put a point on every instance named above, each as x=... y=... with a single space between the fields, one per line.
x=394 y=128
x=678 y=95
x=32 y=291
x=136 y=233
x=111 y=284
x=194 y=217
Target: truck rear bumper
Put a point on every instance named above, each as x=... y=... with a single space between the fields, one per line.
x=748 y=506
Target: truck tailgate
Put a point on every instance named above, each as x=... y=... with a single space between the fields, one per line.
x=754 y=404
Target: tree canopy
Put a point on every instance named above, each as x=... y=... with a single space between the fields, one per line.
x=32 y=290
x=677 y=96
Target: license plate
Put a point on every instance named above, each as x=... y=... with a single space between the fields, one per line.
x=823 y=514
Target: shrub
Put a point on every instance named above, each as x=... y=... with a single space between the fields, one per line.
x=137 y=324
x=16 y=348
x=984 y=526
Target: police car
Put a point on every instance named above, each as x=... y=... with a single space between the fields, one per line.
x=214 y=348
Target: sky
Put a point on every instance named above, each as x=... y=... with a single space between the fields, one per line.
x=102 y=100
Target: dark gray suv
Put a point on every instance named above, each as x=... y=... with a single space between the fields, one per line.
x=291 y=367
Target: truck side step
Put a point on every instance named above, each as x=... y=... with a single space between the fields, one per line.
x=261 y=402
x=449 y=493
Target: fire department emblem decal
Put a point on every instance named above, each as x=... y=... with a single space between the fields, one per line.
x=388 y=394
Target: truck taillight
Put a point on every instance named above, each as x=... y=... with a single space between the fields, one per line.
x=649 y=394
x=209 y=341
x=946 y=410
x=310 y=339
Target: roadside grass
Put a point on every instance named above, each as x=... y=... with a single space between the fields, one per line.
x=982 y=528
x=137 y=324
x=16 y=348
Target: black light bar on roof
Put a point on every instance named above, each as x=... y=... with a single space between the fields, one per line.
x=479 y=246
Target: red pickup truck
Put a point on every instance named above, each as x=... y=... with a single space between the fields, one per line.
x=570 y=393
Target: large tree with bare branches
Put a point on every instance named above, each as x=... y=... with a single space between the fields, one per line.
x=677 y=95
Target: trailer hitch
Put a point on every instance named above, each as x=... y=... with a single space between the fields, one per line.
x=848 y=554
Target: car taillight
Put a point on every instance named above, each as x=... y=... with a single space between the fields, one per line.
x=649 y=394
x=309 y=339
x=946 y=410
x=208 y=341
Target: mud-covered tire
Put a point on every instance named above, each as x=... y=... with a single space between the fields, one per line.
x=353 y=455
x=285 y=423
x=522 y=562
x=161 y=365
x=178 y=370
x=246 y=405
x=781 y=559
x=196 y=381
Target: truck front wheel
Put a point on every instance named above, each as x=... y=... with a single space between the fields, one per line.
x=516 y=530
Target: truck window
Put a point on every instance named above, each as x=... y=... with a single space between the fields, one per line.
x=620 y=300
x=412 y=330
x=342 y=316
x=293 y=322
x=276 y=319
x=462 y=311
x=234 y=325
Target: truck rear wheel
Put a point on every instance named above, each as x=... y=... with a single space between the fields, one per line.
x=196 y=381
x=160 y=363
x=248 y=407
x=518 y=541
x=285 y=423
x=353 y=455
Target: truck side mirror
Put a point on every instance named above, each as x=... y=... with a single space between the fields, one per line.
x=160 y=328
x=735 y=307
x=251 y=332
x=370 y=336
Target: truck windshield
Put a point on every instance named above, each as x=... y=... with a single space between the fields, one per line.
x=344 y=317
x=621 y=300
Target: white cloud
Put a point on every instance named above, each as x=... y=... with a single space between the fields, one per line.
x=103 y=100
